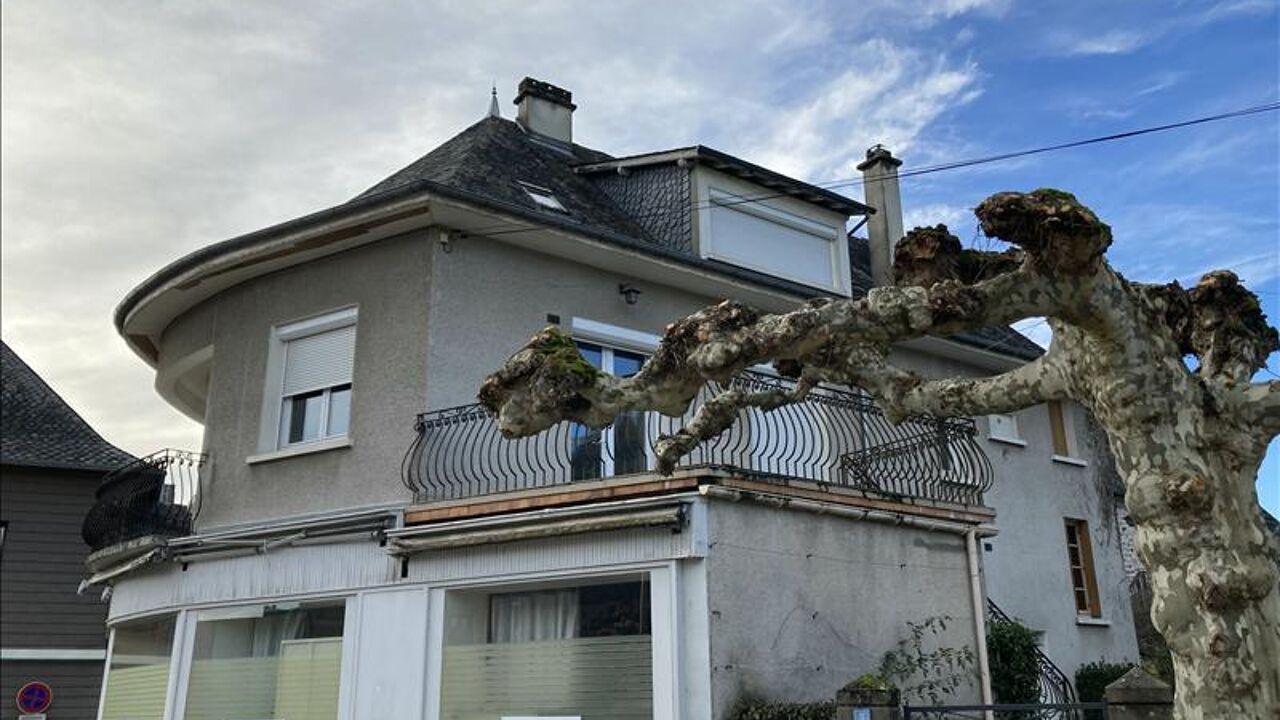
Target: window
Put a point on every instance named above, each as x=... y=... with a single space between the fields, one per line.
x=620 y=448
x=1004 y=428
x=273 y=661
x=549 y=651
x=313 y=362
x=1084 y=585
x=1062 y=433
x=542 y=196
x=138 y=672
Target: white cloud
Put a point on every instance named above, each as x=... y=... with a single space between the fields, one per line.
x=1112 y=42
x=135 y=132
x=952 y=216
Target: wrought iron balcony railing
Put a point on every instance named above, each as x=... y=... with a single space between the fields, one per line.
x=834 y=437
x=155 y=495
x=1055 y=686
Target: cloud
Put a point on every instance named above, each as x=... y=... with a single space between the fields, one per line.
x=135 y=132
x=953 y=216
x=1112 y=42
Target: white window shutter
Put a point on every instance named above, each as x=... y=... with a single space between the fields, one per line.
x=1003 y=426
x=319 y=361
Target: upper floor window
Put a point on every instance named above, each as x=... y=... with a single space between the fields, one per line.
x=620 y=448
x=315 y=361
x=1004 y=428
x=1062 y=433
x=1084 y=584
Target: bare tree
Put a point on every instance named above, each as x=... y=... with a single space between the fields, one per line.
x=1187 y=442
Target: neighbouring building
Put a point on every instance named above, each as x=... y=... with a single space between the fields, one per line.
x=51 y=462
x=355 y=540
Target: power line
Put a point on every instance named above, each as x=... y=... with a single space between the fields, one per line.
x=943 y=167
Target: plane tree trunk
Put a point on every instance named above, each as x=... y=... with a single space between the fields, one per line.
x=1187 y=442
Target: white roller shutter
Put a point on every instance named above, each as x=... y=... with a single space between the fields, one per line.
x=319 y=361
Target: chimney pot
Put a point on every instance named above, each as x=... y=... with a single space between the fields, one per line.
x=545 y=109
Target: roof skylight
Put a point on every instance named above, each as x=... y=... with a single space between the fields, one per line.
x=542 y=196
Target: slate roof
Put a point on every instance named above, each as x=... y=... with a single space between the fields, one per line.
x=39 y=429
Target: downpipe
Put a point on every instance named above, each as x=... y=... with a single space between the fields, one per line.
x=979 y=617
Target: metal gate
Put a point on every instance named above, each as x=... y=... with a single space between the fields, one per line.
x=1008 y=711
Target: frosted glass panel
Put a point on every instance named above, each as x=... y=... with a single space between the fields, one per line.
x=138 y=676
x=284 y=665
x=596 y=678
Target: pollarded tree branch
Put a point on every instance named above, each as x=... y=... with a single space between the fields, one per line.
x=904 y=394
x=1262 y=405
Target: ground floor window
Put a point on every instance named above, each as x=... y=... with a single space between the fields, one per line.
x=138 y=672
x=580 y=650
x=273 y=661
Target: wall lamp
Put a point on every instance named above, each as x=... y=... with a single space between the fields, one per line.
x=629 y=292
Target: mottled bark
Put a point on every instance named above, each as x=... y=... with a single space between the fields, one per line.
x=1188 y=444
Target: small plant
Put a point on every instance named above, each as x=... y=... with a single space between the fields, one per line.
x=1093 y=678
x=926 y=674
x=873 y=681
x=1015 y=665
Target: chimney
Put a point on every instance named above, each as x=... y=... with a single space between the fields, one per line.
x=545 y=109
x=884 y=228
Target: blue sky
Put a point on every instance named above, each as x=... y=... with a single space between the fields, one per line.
x=136 y=131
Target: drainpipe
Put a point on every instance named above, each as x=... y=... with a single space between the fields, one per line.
x=979 y=616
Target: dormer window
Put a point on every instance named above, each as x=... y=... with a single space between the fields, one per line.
x=542 y=196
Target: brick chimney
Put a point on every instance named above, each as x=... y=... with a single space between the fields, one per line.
x=884 y=228
x=545 y=109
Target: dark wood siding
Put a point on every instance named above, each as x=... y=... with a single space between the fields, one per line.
x=42 y=561
x=75 y=687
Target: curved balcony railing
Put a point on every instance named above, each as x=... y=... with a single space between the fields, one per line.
x=834 y=437
x=155 y=495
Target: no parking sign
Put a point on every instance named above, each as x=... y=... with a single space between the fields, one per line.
x=33 y=698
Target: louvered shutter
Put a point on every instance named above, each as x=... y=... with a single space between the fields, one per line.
x=319 y=361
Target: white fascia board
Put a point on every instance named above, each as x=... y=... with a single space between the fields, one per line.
x=53 y=654
x=583 y=250
x=151 y=314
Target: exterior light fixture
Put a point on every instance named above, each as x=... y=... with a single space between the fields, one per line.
x=629 y=292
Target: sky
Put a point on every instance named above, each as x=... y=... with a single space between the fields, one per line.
x=136 y=132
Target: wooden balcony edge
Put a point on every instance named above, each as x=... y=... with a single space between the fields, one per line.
x=593 y=491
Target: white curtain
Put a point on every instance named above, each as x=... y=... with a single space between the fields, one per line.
x=533 y=616
x=271 y=629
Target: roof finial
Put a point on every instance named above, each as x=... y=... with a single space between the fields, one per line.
x=493 y=101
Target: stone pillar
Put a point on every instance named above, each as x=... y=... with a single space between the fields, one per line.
x=860 y=703
x=1139 y=696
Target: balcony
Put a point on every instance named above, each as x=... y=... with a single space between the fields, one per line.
x=833 y=438
x=154 y=496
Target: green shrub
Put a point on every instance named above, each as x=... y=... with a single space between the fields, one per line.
x=786 y=711
x=1093 y=678
x=1015 y=669
x=927 y=674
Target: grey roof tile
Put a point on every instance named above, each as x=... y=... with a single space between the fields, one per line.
x=38 y=428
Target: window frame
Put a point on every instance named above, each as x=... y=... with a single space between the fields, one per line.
x=271 y=436
x=1062 y=433
x=1092 y=607
x=1009 y=438
x=608 y=435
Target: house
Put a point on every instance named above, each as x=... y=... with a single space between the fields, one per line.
x=50 y=464
x=364 y=545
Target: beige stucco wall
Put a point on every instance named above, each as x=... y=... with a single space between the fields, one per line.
x=388 y=281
